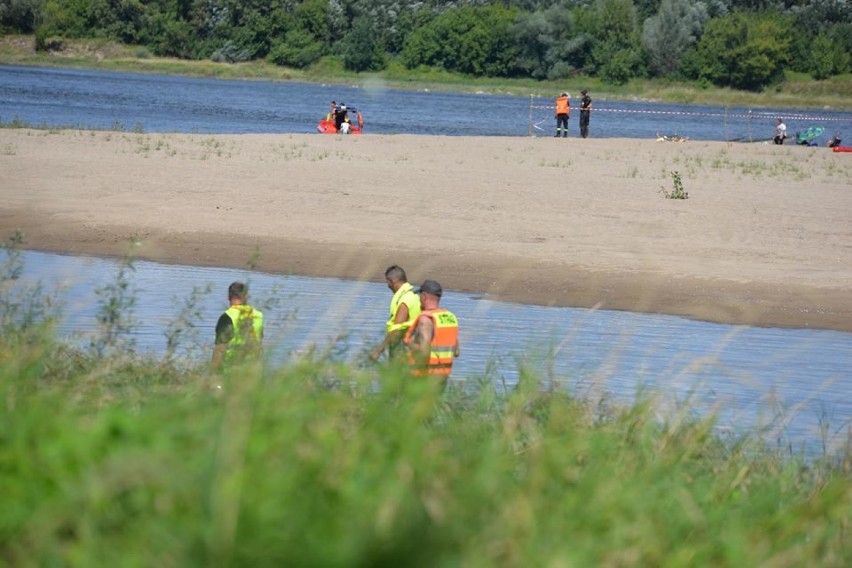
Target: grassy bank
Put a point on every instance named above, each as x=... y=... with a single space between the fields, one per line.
x=110 y=458
x=797 y=91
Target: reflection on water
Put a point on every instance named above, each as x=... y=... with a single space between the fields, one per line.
x=746 y=374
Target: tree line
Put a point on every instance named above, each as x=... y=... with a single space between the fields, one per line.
x=743 y=44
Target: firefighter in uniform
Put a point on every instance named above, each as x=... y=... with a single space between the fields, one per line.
x=563 y=112
x=433 y=340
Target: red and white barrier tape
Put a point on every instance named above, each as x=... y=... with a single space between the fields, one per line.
x=750 y=114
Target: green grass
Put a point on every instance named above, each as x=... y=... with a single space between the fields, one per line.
x=113 y=459
x=796 y=91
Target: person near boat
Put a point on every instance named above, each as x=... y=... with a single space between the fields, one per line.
x=835 y=141
x=404 y=309
x=341 y=119
x=433 y=339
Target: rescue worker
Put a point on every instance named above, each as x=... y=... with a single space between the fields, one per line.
x=585 y=113
x=563 y=112
x=433 y=340
x=404 y=309
x=341 y=116
x=332 y=113
x=239 y=331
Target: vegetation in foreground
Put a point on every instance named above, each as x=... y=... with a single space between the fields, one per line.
x=109 y=458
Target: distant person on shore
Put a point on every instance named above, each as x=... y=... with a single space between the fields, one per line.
x=585 y=112
x=780 y=132
x=563 y=113
x=239 y=331
x=433 y=340
x=404 y=309
x=835 y=141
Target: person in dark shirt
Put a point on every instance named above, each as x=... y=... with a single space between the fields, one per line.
x=239 y=331
x=585 y=112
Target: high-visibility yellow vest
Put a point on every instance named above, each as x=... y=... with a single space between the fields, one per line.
x=248 y=333
x=443 y=346
x=405 y=295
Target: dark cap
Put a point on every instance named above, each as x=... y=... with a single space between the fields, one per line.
x=431 y=287
x=583 y=92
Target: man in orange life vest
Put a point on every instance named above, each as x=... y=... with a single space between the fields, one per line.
x=563 y=112
x=433 y=340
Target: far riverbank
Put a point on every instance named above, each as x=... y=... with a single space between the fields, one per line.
x=796 y=92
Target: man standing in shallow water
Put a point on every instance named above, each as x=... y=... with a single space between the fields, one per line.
x=239 y=331
x=404 y=309
x=433 y=340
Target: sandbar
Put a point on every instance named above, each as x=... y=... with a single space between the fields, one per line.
x=764 y=238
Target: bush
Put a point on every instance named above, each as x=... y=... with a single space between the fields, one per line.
x=230 y=53
x=298 y=50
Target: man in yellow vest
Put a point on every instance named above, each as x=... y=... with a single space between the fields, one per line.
x=404 y=309
x=563 y=112
x=433 y=340
x=239 y=331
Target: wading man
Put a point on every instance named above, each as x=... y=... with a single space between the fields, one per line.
x=404 y=309
x=239 y=331
x=433 y=340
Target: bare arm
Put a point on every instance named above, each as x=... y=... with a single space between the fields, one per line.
x=218 y=356
x=392 y=336
x=421 y=340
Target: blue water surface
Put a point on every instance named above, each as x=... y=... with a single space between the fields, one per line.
x=160 y=103
x=748 y=375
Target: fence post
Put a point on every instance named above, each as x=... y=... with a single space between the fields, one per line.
x=531 y=115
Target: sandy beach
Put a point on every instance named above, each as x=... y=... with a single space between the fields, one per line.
x=765 y=237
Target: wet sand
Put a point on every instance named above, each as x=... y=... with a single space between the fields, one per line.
x=765 y=237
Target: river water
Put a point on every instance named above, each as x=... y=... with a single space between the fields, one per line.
x=158 y=103
x=747 y=375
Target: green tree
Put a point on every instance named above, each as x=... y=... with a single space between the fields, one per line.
x=299 y=49
x=742 y=50
x=830 y=52
x=667 y=35
x=19 y=15
x=363 y=48
x=617 y=54
x=476 y=41
x=548 y=43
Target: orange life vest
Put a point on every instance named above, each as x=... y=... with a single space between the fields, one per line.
x=444 y=340
x=563 y=106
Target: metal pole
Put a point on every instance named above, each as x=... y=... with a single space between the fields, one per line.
x=531 y=117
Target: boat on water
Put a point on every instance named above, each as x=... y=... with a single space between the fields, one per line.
x=329 y=124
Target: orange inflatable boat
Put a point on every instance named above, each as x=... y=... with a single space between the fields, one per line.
x=327 y=125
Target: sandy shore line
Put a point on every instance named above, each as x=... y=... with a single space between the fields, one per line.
x=765 y=237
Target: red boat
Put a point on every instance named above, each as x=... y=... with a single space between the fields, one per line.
x=328 y=126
